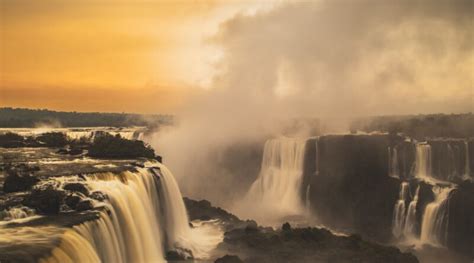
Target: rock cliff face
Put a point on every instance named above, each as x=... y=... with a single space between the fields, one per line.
x=352 y=183
x=350 y=186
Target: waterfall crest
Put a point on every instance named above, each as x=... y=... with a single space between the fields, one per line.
x=276 y=192
x=143 y=215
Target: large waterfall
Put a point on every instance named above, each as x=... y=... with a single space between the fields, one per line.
x=276 y=191
x=435 y=220
x=423 y=161
x=143 y=209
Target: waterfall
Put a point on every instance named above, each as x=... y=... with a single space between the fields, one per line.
x=399 y=211
x=393 y=162
x=435 y=221
x=143 y=215
x=467 y=168
x=423 y=161
x=317 y=156
x=410 y=222
x=276 y=191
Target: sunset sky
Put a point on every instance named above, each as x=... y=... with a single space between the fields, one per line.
x=153 y=56
x=105 y=55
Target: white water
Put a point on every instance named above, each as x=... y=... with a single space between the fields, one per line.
x=16 y=213
x=410 y=222
x=399 y=211
x=393 y=162
x=275 y=194
x=142 y=211
x=434 y=223
x=423 y=161
x=180 y=236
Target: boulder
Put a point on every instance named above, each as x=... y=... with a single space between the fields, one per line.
x=15 y=182
x=84 y=205
x=77 y=187
x=46 y=201
x=72 y=201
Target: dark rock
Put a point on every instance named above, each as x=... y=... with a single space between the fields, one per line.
x=77 y=187
x=174 y=255
x=72 y=201
x=15 y=182
x=84 y=205
x=229 y=259
x=45 y=201
x=108 y=146
x=99 y=196
x=11 y=140
x=286 y=227
x=53 y=139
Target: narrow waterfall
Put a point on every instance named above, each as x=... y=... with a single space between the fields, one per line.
x=467 y=168
x=435 y=221
x=317 y=156
x=276 y=192
x=399 y=211
x=410 y=222
x=179 y=235
x=393 y=162
x=423 y=161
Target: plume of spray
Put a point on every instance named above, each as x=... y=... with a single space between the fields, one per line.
x=334 y=60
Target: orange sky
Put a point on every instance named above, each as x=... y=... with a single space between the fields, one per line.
x=102 y=55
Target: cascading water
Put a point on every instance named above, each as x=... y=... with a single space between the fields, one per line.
x=423 y=161
x=467 y=168
x=134 y=221
x=435 y=221
x=276 y=192
x=393 y=162
x=399 y=211
x=410 y=222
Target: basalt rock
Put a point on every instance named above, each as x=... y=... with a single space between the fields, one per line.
x=84 y=205
x=77 y=187
x=46 y=201
x=16 y=182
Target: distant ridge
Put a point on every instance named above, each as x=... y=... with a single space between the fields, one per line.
x=29 y=118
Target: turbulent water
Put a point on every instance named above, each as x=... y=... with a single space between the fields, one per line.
x=399 y=211
x=276 y=192
x=410 y=222
x=143 y=217
x=435 y=224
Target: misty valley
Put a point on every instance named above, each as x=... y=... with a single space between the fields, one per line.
x=103 y=194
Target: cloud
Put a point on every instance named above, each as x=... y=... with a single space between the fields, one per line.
x=329 y=59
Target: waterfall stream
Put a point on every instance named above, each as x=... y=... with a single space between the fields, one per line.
x=144 y=216
x=276 y=192
x=399 y=211
x=435 y=221
x=423 y=161
x=410 y=222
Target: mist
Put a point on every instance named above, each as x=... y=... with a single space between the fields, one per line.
x=326 y=60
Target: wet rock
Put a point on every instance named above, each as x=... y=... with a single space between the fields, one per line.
x=11 y=140
x=53 y=139
x=229 y=259
x=174 y=255
x=99 y=196
x=45 y=201
x=77 y=187
x=84 y=205
x=15 y=182
x=72 y=201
